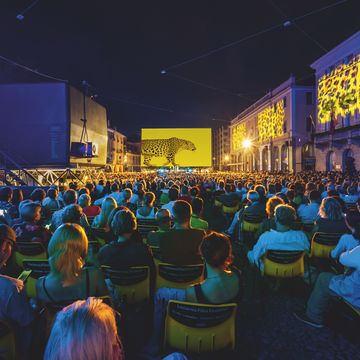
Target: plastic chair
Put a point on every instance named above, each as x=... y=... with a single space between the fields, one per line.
x=101 y=236
x=199 y=328
x=7 y=342
x=323 y=243
x=230 y=210
x=144 y=226
x=178 y=276
x=29 y=251
x=133 y=283
x=218 y=203
x=156 y=252
x=38 y=269
x=284 y=264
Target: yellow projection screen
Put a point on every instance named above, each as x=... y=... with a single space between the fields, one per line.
x=190 y=147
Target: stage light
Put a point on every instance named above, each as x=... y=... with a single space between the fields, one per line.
x=226 y=158
x=247 y=144
x=163 y=72
x=20 y=17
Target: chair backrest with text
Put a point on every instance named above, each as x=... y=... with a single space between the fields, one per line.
x=199 y=328
x=284 y=264
x=178 y=276
x=133 y=283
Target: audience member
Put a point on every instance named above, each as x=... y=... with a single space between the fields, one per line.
x=147 y=211
x=328 y=285
x=68 y=280
x=180 y=244
x=87 y=330
x=163 y=219
x=173 y=196
x=331 y=218
x=101 y=221
x=30 y=230
x=14 y=307
x=309 y=213
x=196 y=221
x=283 y=238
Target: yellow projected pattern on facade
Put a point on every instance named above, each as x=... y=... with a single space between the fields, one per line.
x=238 y=136
x=176 y=147
x=271 y=121
x=339 y=91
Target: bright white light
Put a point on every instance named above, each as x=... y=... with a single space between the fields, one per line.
x=226 y=158
x=247 y=143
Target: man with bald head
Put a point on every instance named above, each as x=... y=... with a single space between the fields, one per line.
x=163 y=219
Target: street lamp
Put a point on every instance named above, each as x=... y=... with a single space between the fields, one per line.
x=247 y=144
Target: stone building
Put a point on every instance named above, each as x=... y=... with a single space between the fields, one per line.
x=132 y=156
x=220 y=148
x=116 y=150
x=337 y=139
x=275 y=133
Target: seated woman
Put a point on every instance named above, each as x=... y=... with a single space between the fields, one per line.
x=222 y=284
x=68 y=280
x=331 y=217
x=348 y=241
x=85 y=329
x=282 y=238
x=101 y=221
x=147 y=211
x=269 y=222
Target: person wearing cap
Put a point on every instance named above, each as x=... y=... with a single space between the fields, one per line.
x=14 y=307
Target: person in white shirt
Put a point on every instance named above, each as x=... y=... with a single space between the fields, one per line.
x=115 y=194
x=173 y=196
x=352 y=196
x=309 y=213
x=346 y=286
x=283 y=238
x=348 y=241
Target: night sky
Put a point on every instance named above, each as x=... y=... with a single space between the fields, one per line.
x=120 y=47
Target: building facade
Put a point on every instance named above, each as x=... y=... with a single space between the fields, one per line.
x=132 y=156
x=275 y=133
x=116 y=150
x=337 y=138
x=220 y=148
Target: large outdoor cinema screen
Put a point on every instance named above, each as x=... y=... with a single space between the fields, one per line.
x=184 y=147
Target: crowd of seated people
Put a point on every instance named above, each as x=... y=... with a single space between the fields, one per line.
x=194 y=226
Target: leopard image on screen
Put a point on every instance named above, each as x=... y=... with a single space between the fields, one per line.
x=167 y=148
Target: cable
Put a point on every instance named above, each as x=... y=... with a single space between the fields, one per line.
x=298 y=27
x=21 y=16
x=209 y=86
x=11 y=62
x=258 y=33
x=135 y=103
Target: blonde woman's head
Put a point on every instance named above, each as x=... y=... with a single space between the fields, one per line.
x=107 y=206
x=67 y=250
x=83 y=330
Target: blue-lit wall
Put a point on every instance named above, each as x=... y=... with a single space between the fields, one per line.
x=34 y=123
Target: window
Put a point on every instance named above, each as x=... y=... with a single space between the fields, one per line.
x=284 y=101
x=309 y=98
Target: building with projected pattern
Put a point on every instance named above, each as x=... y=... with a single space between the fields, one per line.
x=337 y=138
x=275 y=133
